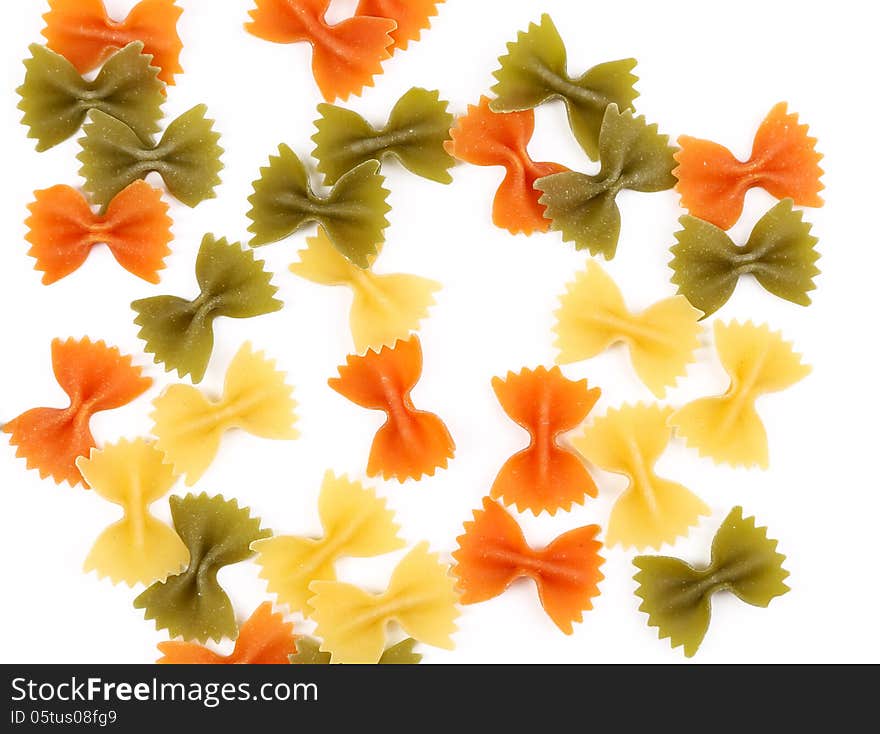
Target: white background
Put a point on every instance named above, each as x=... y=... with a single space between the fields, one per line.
x=706 y=69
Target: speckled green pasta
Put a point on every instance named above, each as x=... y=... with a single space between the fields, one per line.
x=192 y=604
x=187 y=157
x=633 y=155
x=678 y=597
x=535 y=71
x=352 y=214
x=780 y=254
x=179 y=332
x=415 y=134
x=55 y=99
x=308 y=652
x=403 y=653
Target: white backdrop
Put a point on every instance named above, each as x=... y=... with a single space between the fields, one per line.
x=705 y=69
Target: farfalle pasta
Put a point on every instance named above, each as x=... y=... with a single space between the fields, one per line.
x=107 y=76
x=308 y=652
x=728 y=428
x=63 y=229
x=138 y=549
x=82 y=32
x=583 y=207
x=535 y=71
x=421 y=598
x=96 y=378
x=486 y=138
x=189 y=426
x=352 y=213
x=179 y=332
x=345 y=56
x=592 y=316
x=412 y=17
x=385 y=308
x=55 y=99
x=187 y=157
x=356 y=524
x=192 y=604
x=264 y=639
x=545 y=476
x=415 y=133
x=784 y=162
x=411 y=443
x=652 y=510
x=780 y=254
x=493 y=553
x=677 y=597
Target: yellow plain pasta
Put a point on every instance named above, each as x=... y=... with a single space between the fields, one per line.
x=728 y=428
x=356 y=523
x=138 y=549
x=593 y=316
x=421 y=598
x=652 y=510
x=189 y=426
x=385 y=307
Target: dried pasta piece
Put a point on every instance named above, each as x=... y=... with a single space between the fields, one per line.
x=180 y=333
x=421 y=598
x=677 y=597
x=264 y=639
x=651 y=511
x=96 y=378
x=63 y=229
x=416 y=130
x=385 y=307
x=81 y=31
x=189 y=426
x=486 y=138
x=535 y=71
x=412 y=17
x=583 y=207
x=138 y=549
x=55 y=99
x=780 y=254
x=545 y=475
x=352 y=214
x=784 y=162
x=187 y=157
x=345 y=56
x=356 y=523
x=493 y=553
x=728 y=428
x=192 y=604
x=411 y=443
x=308 y=652
x=592 y=316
